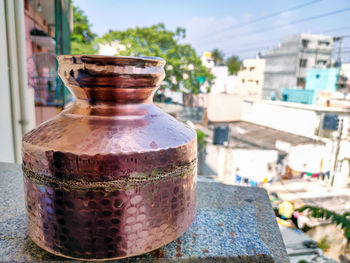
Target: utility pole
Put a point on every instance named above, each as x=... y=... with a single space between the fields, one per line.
x=340 y=49
x=335 y=165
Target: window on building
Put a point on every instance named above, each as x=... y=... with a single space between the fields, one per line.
x=305 y=43
x=243 y=80
x=257 y=82
x=301 y=82
x=321 y=62
x=302 y=63
x=251 y=68
x=324 y=43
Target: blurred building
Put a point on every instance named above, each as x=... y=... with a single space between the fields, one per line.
x=343 y=83
x=328 y=125
x=207 y=60
x=286 y=66
x=110 y=49
x=322 y=79
x=318 y=81
x=33 y=32
x=48 y=25
x=224 y=82
x=250 y=78
x=298 y=95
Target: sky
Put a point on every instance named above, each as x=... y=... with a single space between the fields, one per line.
x=224 y=24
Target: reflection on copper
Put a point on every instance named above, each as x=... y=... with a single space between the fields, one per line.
x=112 y=176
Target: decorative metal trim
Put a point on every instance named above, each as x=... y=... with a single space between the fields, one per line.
x=126 y=182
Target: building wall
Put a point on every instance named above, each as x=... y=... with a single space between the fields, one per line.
x=298 y=96
x=251 y=77
x=322 y=79
x=253 y=164
x=286 y=66
x=224 y=107
x=224 y=82
x=344 y=78
x=290 y=117
x=33 y=19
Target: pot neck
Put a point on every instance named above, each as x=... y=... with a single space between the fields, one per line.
x=105 y=80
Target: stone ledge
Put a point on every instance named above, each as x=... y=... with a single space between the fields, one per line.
x=233 y=224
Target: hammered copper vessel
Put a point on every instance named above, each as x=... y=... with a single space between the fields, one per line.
x=112 y=176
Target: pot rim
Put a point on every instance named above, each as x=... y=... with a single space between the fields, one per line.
x=116 y=58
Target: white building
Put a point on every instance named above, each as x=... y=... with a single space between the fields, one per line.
x=286 y=66
x=110 y=49
x=250 y=78
x=307 y=121
x=224 y=82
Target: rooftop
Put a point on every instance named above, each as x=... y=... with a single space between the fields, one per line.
x=249 y=135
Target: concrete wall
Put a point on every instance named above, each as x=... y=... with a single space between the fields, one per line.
x=224 y=107
x=310 y=158
x=295 y=118
x=282 y=116
x=253 y=164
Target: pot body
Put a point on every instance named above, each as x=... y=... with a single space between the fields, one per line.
x=112 y=176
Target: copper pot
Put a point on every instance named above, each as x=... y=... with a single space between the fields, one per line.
x=112 y=176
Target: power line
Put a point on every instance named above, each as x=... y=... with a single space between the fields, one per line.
x=336 y=29
x=298 y=21
x=260 y=47
x=277 y=40
x=263 y=17
x=252 y=49
x=345 y=36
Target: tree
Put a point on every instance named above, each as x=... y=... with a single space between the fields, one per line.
x=234 y=64
x=218 y=56
x=184 y=69
x=82 y=37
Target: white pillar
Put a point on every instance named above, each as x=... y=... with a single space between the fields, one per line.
x=17 y=100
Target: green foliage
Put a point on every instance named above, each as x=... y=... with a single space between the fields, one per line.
x=82 y=48
x=234 y=64
x=82 y=36
x=201 y=139
x=324 y=244
x=184 y=69
x=218 y=56
x=342 y=220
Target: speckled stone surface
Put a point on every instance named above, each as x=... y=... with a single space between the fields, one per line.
x=233 y=224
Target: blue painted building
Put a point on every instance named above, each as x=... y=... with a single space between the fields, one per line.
x=298 y=95
x=317 y=79
x=322 y=79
